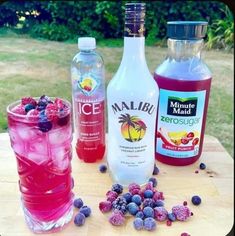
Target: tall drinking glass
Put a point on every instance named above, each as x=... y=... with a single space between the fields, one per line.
x=43 y=154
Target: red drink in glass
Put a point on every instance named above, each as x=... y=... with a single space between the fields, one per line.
x=43 y=160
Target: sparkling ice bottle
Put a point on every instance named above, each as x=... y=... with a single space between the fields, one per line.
x=88 y=90
x=132 y=98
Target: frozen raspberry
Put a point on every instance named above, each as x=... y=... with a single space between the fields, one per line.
x=102 y=168
x=29 y=100
x=51 y=112
x=78 y=203
x=85 y=210
x=155 y=170
x=149 y=224
x=111 y=196
x=19 y=109
x=160 y=213
x=79 y=219
x=117 y=218
x=105 y=206
x=59 y=103
x=185 y=234
x=158 y=196
x=117 y=188
x=148 y=202
x=134 y=188
x=138 y=223
x=181 y=212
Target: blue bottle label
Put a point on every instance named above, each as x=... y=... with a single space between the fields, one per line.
x=179 y=123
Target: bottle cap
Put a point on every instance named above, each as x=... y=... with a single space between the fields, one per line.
x=86 y=43
x=186 y=30
x=134 y=19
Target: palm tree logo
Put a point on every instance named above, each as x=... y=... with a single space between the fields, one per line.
x=133 y=128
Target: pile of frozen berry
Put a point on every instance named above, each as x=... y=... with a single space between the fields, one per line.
x=84 y=211
x=45 y=111
x=146 y=205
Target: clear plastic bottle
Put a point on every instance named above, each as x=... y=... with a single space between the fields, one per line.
x=184 y=81
x=88 y=92
x=132 y=97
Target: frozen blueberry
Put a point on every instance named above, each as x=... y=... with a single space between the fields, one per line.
x=159 y=203
x=154 y=181
x=136 y=199
x=79 y=219
x=148 y=212
x=127 y=196
x=85 y=210
x=202 y=166
x=29 y=107
x=140 y=214
x=148 y=193
x=155 y=170
x=196 y=200
x=117 y=188
x=150 y=224
x=138 y=223
x=102 y=168
x=132 y=208
x=44 y=125
x=78 y=203
x=171 y=217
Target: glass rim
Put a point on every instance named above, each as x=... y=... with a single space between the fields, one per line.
x=13 y=104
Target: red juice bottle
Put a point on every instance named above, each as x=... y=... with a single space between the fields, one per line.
x=88 y=89
x=184 y=82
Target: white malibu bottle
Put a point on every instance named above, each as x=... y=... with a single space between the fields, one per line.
x=132 y=98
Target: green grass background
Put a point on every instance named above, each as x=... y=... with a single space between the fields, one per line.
x=30 y=67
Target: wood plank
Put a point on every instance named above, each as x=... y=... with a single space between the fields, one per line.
x=214 y=217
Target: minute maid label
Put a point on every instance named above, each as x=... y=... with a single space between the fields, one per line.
x=180 y=123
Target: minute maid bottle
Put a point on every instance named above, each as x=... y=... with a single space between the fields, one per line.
x=184 y=81
x=88 y=90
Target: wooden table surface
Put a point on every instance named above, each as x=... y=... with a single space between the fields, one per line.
x=214 y=217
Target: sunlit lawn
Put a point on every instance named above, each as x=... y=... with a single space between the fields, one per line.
x=30 y=67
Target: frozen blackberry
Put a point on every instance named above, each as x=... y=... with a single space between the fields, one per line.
x=117 y=188
x=148 y=202
x=120 y=204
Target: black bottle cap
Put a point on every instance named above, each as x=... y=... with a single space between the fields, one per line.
x=186 y=30
x=134 y=19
